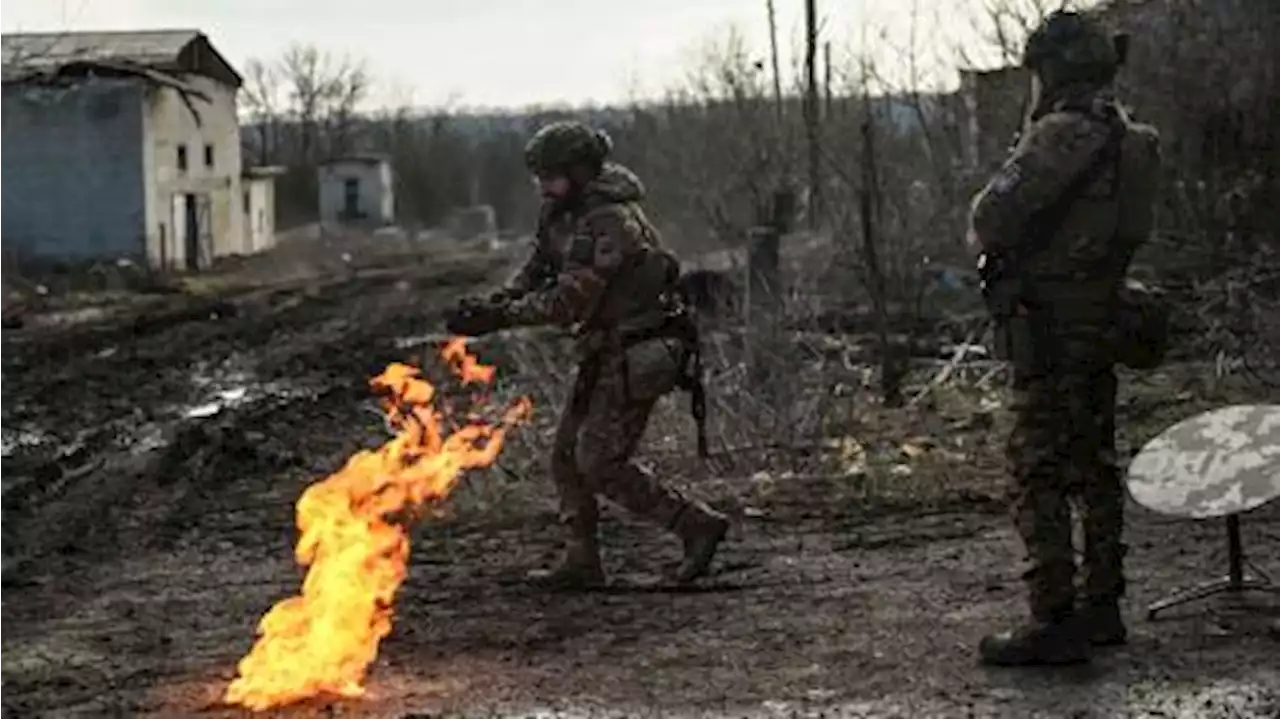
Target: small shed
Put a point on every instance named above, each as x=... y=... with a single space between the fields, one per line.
x=357 y=190
x=259 y=206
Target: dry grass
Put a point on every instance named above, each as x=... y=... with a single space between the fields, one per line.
x=817 y=418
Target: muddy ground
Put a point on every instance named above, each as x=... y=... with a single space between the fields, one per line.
x=151 y=467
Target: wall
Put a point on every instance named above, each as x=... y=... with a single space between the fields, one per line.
x=258 y=202
x=376 y=199
x=73 y=170
x=994 y=104
x=170 y=124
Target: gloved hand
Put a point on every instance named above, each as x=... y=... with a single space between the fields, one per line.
x=475 y=318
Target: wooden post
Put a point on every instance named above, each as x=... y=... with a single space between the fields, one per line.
x=764 y=248
x=764 y=288
x=811 y=108
x=777 y=73
x=826 y=81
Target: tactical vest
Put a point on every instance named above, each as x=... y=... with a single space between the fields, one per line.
x=1079 y=265
x=642 y=290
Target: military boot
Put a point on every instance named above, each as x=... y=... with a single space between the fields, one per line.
x=1103 y=624
x=579 y=568
x=1050 y=641
x=701 y=528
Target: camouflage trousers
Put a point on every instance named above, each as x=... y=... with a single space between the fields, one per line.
x=1062 y=452
x=596 y=439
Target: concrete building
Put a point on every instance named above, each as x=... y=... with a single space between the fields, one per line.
x=357 y=190
x=124 y=144
x=259 y=204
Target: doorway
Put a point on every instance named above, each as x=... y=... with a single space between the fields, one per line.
x=192 y=229
x=351 y=198
x=191 y=238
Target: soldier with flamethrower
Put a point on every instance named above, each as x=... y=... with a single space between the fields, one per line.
x=599 y=265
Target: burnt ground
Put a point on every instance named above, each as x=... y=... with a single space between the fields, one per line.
x=141 y=545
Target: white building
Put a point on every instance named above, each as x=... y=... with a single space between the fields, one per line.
x=357 y=190
x=123 y=144
x=259 y=204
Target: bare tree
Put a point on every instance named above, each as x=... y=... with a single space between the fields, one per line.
x=323 y=91
x=303 y=107
x=261 y=97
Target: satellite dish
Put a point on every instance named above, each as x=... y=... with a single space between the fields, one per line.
x=1221 y=462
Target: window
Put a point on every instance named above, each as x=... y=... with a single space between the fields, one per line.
x=182 y=157
x=247 y=205
x=208 y=155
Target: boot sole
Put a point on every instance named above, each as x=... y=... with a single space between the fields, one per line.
x=1009 y=657
x=1035 y=662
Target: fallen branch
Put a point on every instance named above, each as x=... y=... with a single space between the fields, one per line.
x=961 y=351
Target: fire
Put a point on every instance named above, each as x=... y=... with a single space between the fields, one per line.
x=354 y=540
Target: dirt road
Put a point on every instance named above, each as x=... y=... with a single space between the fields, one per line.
x=149 y=486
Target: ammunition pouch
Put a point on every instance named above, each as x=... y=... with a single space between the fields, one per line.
x=678 y=326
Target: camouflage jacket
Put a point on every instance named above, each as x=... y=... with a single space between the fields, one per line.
x=1077 y=270
x=599 y=265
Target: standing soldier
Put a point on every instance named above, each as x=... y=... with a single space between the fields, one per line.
x=599 y=265
x=1055 y=231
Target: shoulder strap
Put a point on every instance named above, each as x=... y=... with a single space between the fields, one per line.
x=1046 y=221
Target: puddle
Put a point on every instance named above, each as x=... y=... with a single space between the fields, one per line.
x=232 y=384
x=76 y=316
x=13 y=440
x=409 y=342
x=225 y=398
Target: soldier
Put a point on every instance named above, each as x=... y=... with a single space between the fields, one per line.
x=599 y=265
x=1056 y=229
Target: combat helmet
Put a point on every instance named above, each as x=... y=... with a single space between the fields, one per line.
x=1069 y=47
x=560 y=145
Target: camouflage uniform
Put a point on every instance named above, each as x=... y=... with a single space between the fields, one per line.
x=599 y=264
x=1060 y=331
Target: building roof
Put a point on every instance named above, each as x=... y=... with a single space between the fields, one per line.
x=263 y=172
x=29 y=56
x=365 y=158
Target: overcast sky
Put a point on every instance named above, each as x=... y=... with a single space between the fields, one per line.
x=519 y=52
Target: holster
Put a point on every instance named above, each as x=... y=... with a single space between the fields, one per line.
x=1022 y=332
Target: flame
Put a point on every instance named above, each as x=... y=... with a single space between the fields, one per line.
x=354 y=540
